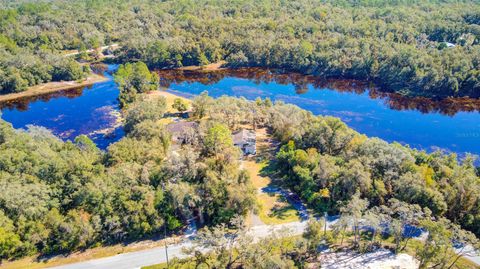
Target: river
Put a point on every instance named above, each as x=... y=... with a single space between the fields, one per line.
x=449 y=125
x=92 y=111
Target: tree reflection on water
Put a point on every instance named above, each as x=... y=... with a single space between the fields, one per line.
x=446 y=106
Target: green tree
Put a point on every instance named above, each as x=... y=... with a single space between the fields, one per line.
x=132 y=79
x=180 y=105
x=146 y=109
x=10 y=244
x=201 y=105
x=237 y=59
x=314 y=234
x=227 y=245
x=438 y=243
x=354 y=210
x=218 y=139
x=402 y=216
x=67 y=70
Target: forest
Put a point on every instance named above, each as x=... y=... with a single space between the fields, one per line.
x=415 y=48
x=61 y=196
x=327 y=163
x=57 y=197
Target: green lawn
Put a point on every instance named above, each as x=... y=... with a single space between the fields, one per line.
x=275 y=209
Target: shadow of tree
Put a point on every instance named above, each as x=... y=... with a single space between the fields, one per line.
x=281 y=208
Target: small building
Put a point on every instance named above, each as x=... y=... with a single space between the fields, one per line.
x=246 y=141
x=183 y=132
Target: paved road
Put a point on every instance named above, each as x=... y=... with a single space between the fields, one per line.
x=131 y=260
x=475 y=258
x=156 y=255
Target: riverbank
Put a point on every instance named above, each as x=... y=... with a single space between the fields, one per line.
x=209 y=67
x=55 y=86
x=169 y=98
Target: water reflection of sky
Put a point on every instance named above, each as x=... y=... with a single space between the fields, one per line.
x=88 y=112
x=92 y=110
x=373 y=117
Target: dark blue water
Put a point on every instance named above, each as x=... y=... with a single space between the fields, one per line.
x=91 y=111
x=430 y=131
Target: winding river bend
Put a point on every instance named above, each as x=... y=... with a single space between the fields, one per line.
x=449 y=125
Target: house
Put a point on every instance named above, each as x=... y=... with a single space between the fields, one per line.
x=183 y=132
x=246 y=141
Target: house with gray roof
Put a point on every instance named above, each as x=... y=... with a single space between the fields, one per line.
x=183 y=132
x=246 y=141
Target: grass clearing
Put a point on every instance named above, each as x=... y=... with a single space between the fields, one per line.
x=275 y=209
x=170 y=98
x=266 y=146
x=254 y=169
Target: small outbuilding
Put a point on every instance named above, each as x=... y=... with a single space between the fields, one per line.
x=246 y=141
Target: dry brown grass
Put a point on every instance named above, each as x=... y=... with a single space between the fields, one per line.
x=254 y=169
x=208 y=67
x=90 y=254
x=170 y=98
x=273 y=208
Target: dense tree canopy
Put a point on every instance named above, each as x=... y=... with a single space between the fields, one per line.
x=60 y=196
x=400 y=45
x=133 y=79
x=327 y=163
x=335 y=163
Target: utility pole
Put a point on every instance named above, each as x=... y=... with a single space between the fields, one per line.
x=325 y=215
x=166 y=246
x=165 y=230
